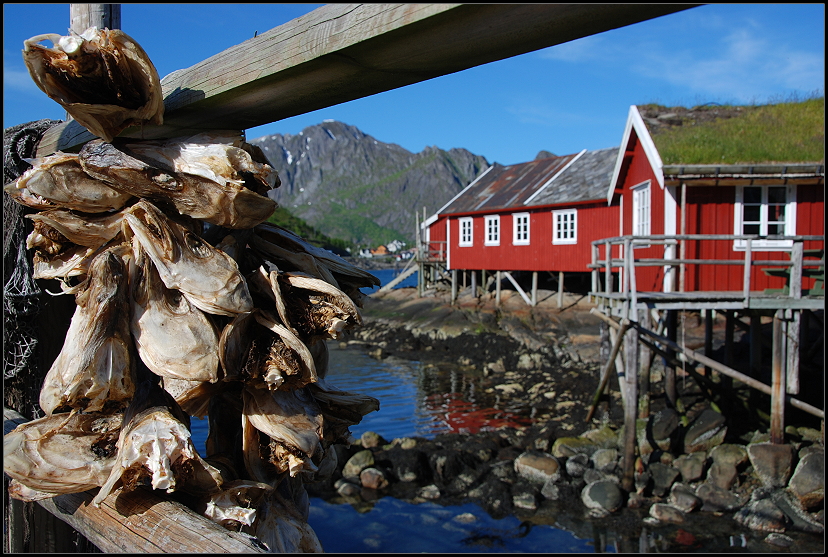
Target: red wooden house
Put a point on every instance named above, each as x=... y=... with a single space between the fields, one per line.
x=535 y=216
x=758 y=198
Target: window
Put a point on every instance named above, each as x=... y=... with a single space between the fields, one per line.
x=641 y=209
x=520 y=227
x=492 y=230
x=466 y=232
x=565 y=225
x=765 y=211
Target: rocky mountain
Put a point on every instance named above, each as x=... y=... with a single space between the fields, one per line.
x=350 y=186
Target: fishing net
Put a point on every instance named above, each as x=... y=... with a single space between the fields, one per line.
x=21 y=295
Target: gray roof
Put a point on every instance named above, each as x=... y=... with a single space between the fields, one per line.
x=586 y=179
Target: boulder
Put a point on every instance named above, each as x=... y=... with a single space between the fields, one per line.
x=683 y=498
x=662 y=427
x=666 y=513
x=691 y=466
x=602 y=497
x=605 y=460
x=772 y=463
x=707 y=431
x=373 y=478
x=538 y=467
x=370 y=439
x=564 y=447
x=763 y=516
x=716 y=499
x=663 y=477
x=356 y=464
x=577 y=464
x=808 y=480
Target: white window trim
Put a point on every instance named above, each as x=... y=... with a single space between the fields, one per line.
x=515 y=229
x=790 y=220
x=636 y=218
x=461 y=241
x=496 y=240
x=556 y=239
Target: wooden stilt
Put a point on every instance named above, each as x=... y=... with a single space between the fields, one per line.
x=534 y=288
x=727 y=382
x=608 y=367
x=474 y=283
x=670 y=370
x=560 y=288
x=453 y=285
x=497 y=288
x=644 y=373
x=777 y=424
x=631 y=346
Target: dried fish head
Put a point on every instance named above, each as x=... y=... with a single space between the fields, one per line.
x=94 y=370
x=72 y=261
x=174 y=338
x=224 y=202
x=103 y=78
x=63 y=453
x=208 y=277
x=293 y=422
x=318 y=308
x=288 y=364
x=90 y=230
x=236 y=503
x=58 y=181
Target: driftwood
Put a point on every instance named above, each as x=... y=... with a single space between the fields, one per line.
x=140 y=521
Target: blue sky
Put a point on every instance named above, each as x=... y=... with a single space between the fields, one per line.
x=560 y=99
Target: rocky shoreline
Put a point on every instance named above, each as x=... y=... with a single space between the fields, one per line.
x=694 y=468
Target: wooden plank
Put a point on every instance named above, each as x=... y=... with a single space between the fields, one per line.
x=341 y=52
x=141 y=521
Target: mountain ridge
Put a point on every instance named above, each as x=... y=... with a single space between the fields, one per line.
x=348 y=185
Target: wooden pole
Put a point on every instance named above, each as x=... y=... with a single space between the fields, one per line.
x=102 y=16
x=497 y=288
x=631 y=346
x=682 y=267
x=560 y=288
x=669 y=369
x=453 y=285
x=608 y=367
x=777 y=425
x=644 y=373
x=474 y=283
x=534 y=288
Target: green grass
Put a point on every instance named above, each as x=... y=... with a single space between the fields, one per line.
x=284 y=218
x=783 y=132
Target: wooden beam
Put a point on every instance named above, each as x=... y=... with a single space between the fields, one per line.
x=342 y=52
x=140 y=521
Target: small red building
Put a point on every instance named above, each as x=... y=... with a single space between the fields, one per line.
x=766 y=199
x=535 y=216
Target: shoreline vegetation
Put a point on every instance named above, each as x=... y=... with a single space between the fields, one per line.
x=707 y=474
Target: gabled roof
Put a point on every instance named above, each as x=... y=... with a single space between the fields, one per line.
x=586 y=178
x=635 y=124
x=581 y=176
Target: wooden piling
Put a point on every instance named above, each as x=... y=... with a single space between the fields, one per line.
x=777 y=424
x=631 y=346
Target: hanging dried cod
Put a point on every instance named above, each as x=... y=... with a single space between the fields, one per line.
x=103 y=78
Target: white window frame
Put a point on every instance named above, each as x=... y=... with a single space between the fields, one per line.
x=569 y=229
x=492 y=230
x=520 y=229
x=466 y=237
x=790 y=219
x=642 y=211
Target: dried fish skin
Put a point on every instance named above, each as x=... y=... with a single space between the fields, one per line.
x=215 y=156
x=282 y=364
x=290 y=418
x=283 y=529
x=63 y=453
x=71 y=262
x=89 y=230
x=236 y=503
x=58 y=181
x=173 y=337
x=103 y=78
x=340 y=410
x=229 y=204
x=95 y=370
x=234 y=345
x=208 y=277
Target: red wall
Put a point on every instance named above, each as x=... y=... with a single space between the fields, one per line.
x=595 y=220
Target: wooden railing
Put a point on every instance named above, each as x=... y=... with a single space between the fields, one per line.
x=433 y=251
x=797 y=267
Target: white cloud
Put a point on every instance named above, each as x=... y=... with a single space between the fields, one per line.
x=18 y=80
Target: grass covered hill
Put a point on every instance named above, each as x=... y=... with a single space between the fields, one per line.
x=728 y=134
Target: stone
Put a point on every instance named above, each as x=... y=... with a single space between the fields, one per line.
x=465 y=518
x=683 y=498
x=799 y=519
x=808 y=480
x=722 y=474
x=408 y=465
x=538 y=467
x=564 y=447
x=603 y=437
x=346 y=488
x=447 y=464
x=356 y=464
x=370 y=439
x=810 y=434
x=707 y=431
x=406 y=442
x=779 y=540
x=372 y=478
x=691 y=466
x=662 y=427
x=733 y=455
x=604 y=496
x=605 y=460
x=577 y=464
x=429 y=492
x=771 y=463
x=763 y=516
x=716 y=499
x=666 y=513
x=525 y=500
x=663 y=477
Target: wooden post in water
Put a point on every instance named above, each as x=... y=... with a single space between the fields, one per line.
x=777 y=424
x=631 y=346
